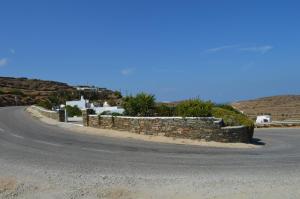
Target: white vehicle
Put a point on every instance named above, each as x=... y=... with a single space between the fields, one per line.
x=263 y=119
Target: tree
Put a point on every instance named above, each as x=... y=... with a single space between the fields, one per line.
x=73 y=111
x=142 y=104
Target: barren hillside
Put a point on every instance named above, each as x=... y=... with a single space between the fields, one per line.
x=24 y=91
x=285 y=107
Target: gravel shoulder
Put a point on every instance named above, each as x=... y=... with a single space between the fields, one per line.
x=129 y=135
x=24 y=182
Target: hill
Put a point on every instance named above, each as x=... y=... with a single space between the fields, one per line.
x=284 y=107
x=24 y=91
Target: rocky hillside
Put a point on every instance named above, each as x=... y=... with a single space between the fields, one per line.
x=23 y=91
x=285 y=107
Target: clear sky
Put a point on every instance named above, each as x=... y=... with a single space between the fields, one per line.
x=215 y=49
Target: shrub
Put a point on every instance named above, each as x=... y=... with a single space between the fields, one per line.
x=111 y=113
x=73 y=111
x=1 y=92
x=140 y=105
x=227 y=107
x=232 y=118
x=194 y=108
x=164 y=110
x=45 y=103
x=106 y=113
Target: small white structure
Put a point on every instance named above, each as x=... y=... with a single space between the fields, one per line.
x=107 y=108
x=263 y=119
x=105 y=104
x=82 y=103
x=89 y=88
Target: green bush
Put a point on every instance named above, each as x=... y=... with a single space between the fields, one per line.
x=164 y=110
x=73 y=111
x=194 y=108
x=140 y=105
x=1 y=92
x=232 y=118
x=45 y=103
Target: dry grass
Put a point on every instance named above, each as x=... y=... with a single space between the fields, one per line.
x=7 y=184
x=284 y=107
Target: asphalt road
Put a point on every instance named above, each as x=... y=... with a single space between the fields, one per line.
x=32 y=149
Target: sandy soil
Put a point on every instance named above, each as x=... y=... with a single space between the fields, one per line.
x=129 y=135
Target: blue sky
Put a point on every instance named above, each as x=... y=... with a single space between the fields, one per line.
x=219 y=50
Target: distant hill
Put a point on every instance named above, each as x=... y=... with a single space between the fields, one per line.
x=24 y=91
x=285 y=107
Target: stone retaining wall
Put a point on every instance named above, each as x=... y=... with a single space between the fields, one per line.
x=235 y=134
x=206 y=128
x=56 y=115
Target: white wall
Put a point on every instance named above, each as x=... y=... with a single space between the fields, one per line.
x=79 y=103
x=113 y=109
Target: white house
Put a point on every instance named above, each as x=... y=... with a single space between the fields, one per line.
x=263 y=119
x=84 y=88
x=89 y=88
x=82 y=103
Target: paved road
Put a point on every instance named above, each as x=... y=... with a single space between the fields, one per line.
x=27 y=144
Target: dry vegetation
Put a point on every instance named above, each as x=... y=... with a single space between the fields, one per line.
x=28 y=91
x=31 y=91
x=285 y=107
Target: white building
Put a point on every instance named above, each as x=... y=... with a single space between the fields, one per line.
x=90 y=88
x=82 y=103
x=263 y=119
